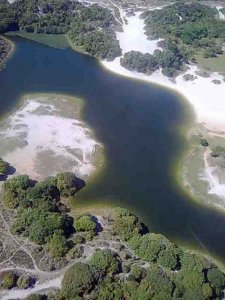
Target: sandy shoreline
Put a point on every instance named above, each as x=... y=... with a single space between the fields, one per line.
x=205 y=96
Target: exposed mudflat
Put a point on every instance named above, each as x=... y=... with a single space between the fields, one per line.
x=45 y=135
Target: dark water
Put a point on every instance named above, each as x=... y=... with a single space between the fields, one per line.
x=138 y=124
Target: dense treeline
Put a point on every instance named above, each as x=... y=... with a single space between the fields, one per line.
x=171 y=60
x=40 y=214
x=195 y=27
x=171 y=274
x=87 y=27
x=148 y=267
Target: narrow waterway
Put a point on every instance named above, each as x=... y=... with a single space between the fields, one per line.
x=139 y=125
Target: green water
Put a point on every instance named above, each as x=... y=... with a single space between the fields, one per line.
x=139 y=125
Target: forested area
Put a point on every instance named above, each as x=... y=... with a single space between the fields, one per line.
x=171 y=60
x=142 y=265
x=195 y=28
x=88 y=27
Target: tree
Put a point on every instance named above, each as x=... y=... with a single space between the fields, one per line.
x=126 y=226
x=68 y=184
x=105 y=262
x=24 y=282
x=85 y=223
x=78 y=281
x=8 y=280
x=57 y=245
x=216 y=277
x=15 y=190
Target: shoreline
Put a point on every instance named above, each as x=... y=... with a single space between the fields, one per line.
x=203 y=95
x=9 y=54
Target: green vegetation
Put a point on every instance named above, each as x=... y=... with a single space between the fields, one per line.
x=194 y=28
x=51 y=40
x=89 y=28
x=204 y=142
x=126 y=225
x=4 y=166
x=68 y=184
x=39 y=212
x=172 y=273
x=171 y=60
x=8 y=280
x=78 y=281
x=15 y=190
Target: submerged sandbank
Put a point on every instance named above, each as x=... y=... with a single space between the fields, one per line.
x=205 y=94
x=45 y=135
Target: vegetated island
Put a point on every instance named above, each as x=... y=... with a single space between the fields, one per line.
x=50 y=252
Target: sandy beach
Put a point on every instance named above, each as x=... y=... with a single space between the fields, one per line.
x=206 y=95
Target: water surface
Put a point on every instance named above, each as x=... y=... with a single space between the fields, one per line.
x=138 y=123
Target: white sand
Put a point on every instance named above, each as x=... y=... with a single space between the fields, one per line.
x=221 y=15
x=215 y=186
x=52 y=143
x=206 y=97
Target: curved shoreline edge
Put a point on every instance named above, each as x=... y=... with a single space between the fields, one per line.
x=203 y=94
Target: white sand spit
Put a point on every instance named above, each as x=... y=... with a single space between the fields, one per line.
x=39 y=141
x=206 y=96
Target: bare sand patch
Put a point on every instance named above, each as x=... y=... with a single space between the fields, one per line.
x=45 y=135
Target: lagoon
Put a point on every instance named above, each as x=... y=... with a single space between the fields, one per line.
x=142 y=127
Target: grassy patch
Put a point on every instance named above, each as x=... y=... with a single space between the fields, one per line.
x=212 y=64
x=51 y=40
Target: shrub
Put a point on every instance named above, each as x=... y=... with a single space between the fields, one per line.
x=24 y=282
x=57 y=245
x=105 y=262
x=78 y=281
x=14 y=190
x=68 y=184
x=204 y=142
x=8 y=280
x=85 y=223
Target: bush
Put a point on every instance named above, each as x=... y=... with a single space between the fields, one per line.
x=105 y=262
x=126 y=225
x=85 y=223
x=4 y=167
x=57 y=245
x=14 y=190
x=204 y=142
x=24 y=282
x=216 y=277
x=78 y=281
x=68 y=184
x=8 y=280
